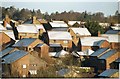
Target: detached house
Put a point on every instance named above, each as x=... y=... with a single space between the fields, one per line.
x=21 y=64
x=103 y=58
x=113 y=40
x=60 y=37
x=94 y=43
x=30 y=31
x=77 y=33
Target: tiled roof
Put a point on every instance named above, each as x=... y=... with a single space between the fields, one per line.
x=61 y=53
x=59 y=35
x=2 y=28
x=24 y=42
x=73 y=22
x=55 y=45
x=6 y=51
x=112 y=32
x=12 y=57
x=60 y=29
x=108 y=72
x=81 y=31
x=10 y=34
x=112 y=37
x=55 y=24
x=91 y=41
x=107 y=54
x=99 y=51
x=118 y=60
x=27 y=28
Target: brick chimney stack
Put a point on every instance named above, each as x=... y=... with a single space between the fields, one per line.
x=34 y=19
x=6 y=20
x=99 y=34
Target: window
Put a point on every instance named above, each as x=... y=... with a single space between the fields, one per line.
x=33 y=71
x=24 y=66
x=34 y=65
x=65 y=42
x=24 y=75
x=54 y=41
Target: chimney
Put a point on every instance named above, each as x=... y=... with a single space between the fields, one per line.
x=99 y=34
x=7 y=19
x=4 y=23
x=34 y=19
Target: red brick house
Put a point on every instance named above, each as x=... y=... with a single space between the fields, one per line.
x=21 y=64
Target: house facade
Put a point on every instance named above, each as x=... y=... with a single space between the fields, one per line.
x=94 y=43
x=59 y=37
x=22 y=64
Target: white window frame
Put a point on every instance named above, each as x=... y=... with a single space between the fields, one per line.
x=66 y=42
x=24 y=66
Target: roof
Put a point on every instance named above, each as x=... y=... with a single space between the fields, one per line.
x=81 y=31
x=47 y=26
x=1 y=22
x=73 y=22
x=118 y=60
x=2 y=28
x=39 y=45
x=52 y=53
x=59 y=35
x=61 y=53
x=99 y=51
x=12 y=57
x=58 y=21
x=40 y=26
x=112 y=37
x=6 y=51
x=60 y=29
x=29 y=21
x=107 y=54
x=27 y=28
x=10 y=34
x=8 y=26
x=108 y=72
x=112 y=32
x=83 y=53
x=24 y=42
x=91 y=41
x=57 y=24
x=115 y=27
x=99 y=43
x=55 y=45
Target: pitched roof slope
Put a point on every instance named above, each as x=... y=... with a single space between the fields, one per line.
x=91 y=41
x=107 y=54
x=12 y=57
x=108 y=72
x=6 y=51
x=59 y=35
x=81 y=31
x=27 y=28
x=24 y=42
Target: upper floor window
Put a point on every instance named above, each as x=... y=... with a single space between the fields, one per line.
x=24 y=66
x=65 y=42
